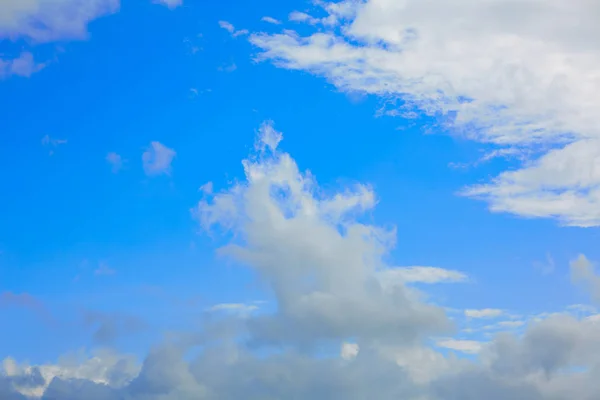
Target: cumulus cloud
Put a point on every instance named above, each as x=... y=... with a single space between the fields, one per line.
x=335 y=332
x=522 y=77
x=157 y=159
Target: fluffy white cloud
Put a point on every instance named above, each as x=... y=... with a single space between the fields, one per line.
x=157 y=159
x=320 y=262
x=521 y=76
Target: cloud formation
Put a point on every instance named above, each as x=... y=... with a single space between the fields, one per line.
x=46 y=21
x=521 y=77
x=157 y=159
x=336 y=330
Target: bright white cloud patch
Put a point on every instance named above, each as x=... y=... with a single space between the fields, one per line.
x=523 y=76
x=157 y=159
x=271 y=20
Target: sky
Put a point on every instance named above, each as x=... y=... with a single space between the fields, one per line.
x=353 y=199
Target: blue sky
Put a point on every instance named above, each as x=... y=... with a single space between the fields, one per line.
x=109 y=132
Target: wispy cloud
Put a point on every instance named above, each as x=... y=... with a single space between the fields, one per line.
x=23 y=66
x=231 y=29
x=484 y=313
x=271 y=20
x=420 y=274
x=172 y=4
x=115 y=161
x=157 y=159
x=52 y=143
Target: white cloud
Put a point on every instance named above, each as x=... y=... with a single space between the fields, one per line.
x=523 y=77
x=421 y=274
x=52 y=143
x=321 y=264
x=50 y=20
x=157 y=159
x=172 y=4
x=464 y=346
x=24 y=66
x=271 y=20
x=349 y=351
x=231 y=29
x=484 y=313
x=115 y=161
x=337 y=332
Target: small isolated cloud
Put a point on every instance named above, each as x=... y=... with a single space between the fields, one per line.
x=231 y=29
x=115 y=161
x=207 y=188
x=349 y=350
x=271 y=20
x=484 y=313
x=23 y=66
x=228 y=68
x=464 y=346
x=104 y=269
x=171 y=4
x=157 y=159
x=52 y=143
